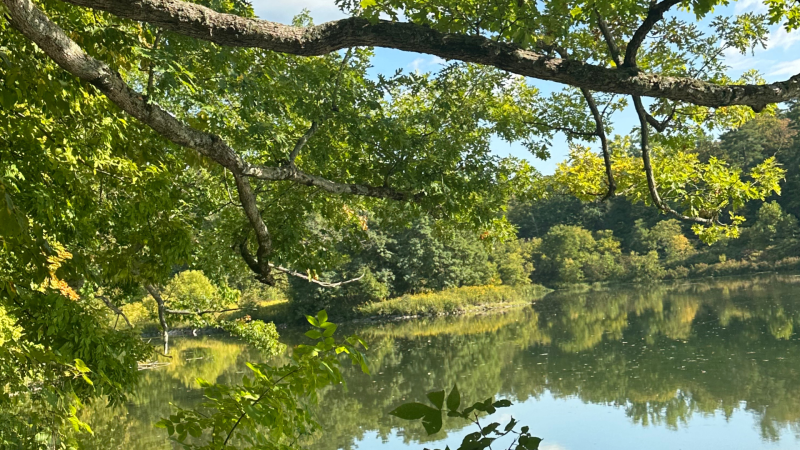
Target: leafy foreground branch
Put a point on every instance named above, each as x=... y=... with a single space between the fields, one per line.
x=479 y=440
x=268 y=410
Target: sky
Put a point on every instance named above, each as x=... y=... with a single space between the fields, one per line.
x=778 y=61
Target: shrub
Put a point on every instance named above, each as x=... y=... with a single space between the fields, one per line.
x=513 y=262
x=645 y=268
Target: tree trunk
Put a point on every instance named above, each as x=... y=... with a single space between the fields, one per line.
x=161 y=314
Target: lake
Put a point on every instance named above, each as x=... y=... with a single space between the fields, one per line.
x=710 y=364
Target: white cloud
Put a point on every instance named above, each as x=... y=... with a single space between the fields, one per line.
x=743 y=6
x=737 y=61
x=786 y=68
x=544 y=446
x=283 y=11
x=780 y=38
x=424 y=64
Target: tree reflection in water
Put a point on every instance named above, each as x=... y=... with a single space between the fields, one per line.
x=663 y=353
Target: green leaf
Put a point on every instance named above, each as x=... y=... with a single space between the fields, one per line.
x=510 y=426
x=330 y=328
x=437 y=398
x=432 y=421
x=529 y=442
x=313 y=334
x=490 y=428
x=412 y=411
x=312 y=320
x=502 y=404
x=81 y=366
x=454 y=399
x=322 y=316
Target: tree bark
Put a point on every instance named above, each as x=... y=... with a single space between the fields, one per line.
x=199 y=22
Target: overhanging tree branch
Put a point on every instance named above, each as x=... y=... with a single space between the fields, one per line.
x=26 y=17
x=199 y=22
x=648 y=169
x=259 y=265
x=645 y=119
x=600 y=132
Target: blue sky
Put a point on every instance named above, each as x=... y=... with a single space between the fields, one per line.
x=778 y=61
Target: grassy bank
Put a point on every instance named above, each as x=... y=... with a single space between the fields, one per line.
x=739 y=267
x=453 y=301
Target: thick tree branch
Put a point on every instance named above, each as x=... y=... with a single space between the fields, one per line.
x=303 y=141
x=259 y=265
x=654 y=15
x=154 y=292
x=648 y=169
x=600 y=132
x=193 y=20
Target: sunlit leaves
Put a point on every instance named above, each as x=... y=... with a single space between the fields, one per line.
x=268 y=409
x=712 y=190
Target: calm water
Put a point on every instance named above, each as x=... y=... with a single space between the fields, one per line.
x=693 y=366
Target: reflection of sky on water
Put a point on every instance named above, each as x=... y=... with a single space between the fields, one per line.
x=570 y=424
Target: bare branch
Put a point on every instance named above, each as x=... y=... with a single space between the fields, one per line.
x=114 y=308
x=248 y=201
x=312 y=279
x=253 y=264
x=184 y=312
x=199 y=22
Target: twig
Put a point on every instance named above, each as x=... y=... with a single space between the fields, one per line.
x=114 y=308
x=230 y=433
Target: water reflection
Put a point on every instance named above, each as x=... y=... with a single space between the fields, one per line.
x=667 y=356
